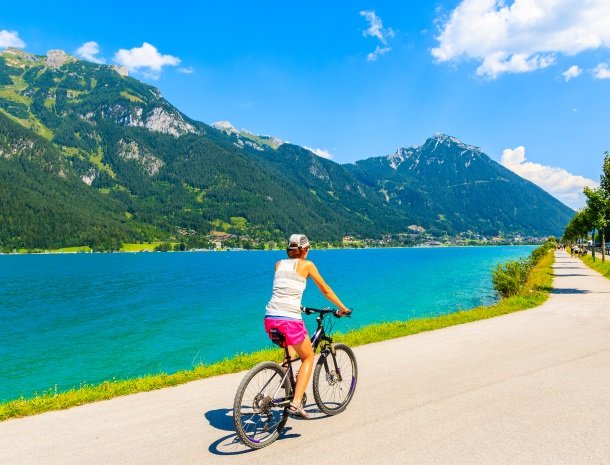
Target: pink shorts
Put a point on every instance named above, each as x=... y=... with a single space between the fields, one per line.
x=294 y=330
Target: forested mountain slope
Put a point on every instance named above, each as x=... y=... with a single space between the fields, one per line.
x=89 y=155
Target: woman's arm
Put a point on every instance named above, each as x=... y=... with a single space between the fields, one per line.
x=312 y=271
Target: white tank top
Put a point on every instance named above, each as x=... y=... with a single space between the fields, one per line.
x=288 y=287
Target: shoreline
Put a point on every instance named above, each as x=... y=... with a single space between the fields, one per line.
x=52 y=252
x=535 y=293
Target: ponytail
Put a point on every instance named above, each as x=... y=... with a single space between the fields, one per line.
x=295 y=251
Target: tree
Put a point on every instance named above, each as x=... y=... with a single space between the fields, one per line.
x=164 y=247
x=605 y=177
x=605 y=181
x=598 y=205
x=578 y=227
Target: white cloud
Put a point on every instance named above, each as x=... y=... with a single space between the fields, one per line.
x=186 y=70
x=522 y=36
x=377 y=30
x=377 y=53
x=320 y=152
x=499 y=62
x=10 y=39
x=146 y=59
x=558 y=182
x=601 y=71
x=89 y=51
x=572 y=72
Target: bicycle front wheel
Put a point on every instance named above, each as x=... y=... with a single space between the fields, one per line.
x=257 y=417
x=334 y=379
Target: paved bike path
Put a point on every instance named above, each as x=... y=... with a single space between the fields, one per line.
x=531 y=387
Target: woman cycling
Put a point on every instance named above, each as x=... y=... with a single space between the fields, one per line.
x=283 y=311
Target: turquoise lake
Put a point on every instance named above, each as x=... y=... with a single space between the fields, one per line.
x=69 y=319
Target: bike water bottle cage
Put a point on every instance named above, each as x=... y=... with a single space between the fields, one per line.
x=277 y=337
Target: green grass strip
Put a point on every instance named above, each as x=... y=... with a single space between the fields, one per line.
x=534 y=294
x=144 y=247
x=76 y=249
x=602 y=268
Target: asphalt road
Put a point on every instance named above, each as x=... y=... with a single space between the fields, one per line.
x=532 y=387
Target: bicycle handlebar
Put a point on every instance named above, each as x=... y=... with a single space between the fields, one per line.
x=324 y=311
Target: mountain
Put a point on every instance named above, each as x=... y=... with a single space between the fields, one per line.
x=89 y=155
x=453 y=187
x=246 y=138
x=170 y=176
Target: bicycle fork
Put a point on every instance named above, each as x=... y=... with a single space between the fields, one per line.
x=332 y=375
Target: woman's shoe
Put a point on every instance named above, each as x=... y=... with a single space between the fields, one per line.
x=297 y=410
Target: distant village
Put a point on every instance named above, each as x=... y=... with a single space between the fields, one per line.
x=417 y=237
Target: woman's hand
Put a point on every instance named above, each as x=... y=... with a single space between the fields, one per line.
x=344 y=312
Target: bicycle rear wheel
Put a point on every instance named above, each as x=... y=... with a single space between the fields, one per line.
x=334 y=379
x=258 y=420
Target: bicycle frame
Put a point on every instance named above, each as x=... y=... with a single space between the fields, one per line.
x=260 y=413
x=318 y=339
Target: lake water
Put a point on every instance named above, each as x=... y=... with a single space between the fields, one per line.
x=85 y=318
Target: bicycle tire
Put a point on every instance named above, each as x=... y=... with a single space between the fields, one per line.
x=332 y=392
x=257 y=422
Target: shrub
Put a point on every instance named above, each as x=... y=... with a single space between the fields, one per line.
x=509 y=278
x=539 y=252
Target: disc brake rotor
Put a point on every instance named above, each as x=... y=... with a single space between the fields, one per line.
x=261 y=404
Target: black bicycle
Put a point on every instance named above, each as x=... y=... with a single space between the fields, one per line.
x=260 y=409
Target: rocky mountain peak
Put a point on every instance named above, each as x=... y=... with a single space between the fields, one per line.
x=402 y=154
x=12 y=51
x=121 y=70
x=439 y=139
x=57 y=58
x=428 y=151
x=247 y=138
x=226 y=127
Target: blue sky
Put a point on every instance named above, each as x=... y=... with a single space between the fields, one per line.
x=528 y=80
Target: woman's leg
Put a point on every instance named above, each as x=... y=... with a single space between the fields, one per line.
x=305 y=351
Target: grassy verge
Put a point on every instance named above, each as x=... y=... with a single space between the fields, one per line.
x=597 y=265
x=144 y=247
x=125 y=247
x=77 y=249
x=535 y=292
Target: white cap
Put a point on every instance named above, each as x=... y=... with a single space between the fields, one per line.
x=299 y=239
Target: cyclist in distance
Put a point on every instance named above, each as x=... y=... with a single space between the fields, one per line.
x=283 y=311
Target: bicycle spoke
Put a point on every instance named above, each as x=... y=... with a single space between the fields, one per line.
x=259 y=409
x=256 y=416
x=335 y=380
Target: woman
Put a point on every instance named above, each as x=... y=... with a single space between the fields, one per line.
x=284 y=310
